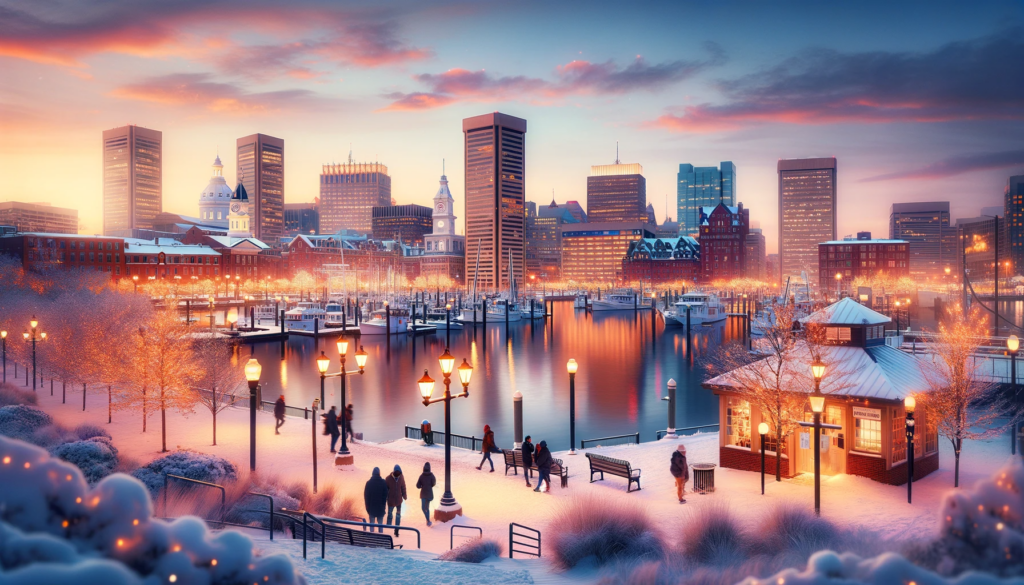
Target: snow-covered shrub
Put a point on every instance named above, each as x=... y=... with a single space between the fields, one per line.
x=96 y=457
x=21 y=421
x=477 y=550
x=827 y=567
x=711 y=536
x=185 y=463
x=88 y=431
x=244 y=508
x=793 y=531
x=604 y=530
x=12 y=395
x=328 y=501
x=54 y=528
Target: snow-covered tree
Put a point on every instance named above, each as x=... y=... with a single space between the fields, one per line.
x=168 y=364
x=220 y=376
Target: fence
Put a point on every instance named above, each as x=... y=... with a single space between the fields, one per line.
x=693 y=430
x=288 y=410
x=451 y=538
x=223 y=512
x=531 y=543
x=616 y=440
x=460 y=441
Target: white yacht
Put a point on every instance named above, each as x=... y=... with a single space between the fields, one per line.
x=377 y=324
x=538 y=310
x=304 y=317
x=335 y=312
x=704 y=309
x=763 y=320
x=496 y=312
x=616 y=303
x=580 y=302
x=441 y=320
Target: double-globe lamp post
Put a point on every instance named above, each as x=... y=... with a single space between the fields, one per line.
x=817 y=401
x=449 y=508
x=762 y=429
x=34 y=337
x=253 y=369
x=909 y=405
x=571 y=366
x=322 y=364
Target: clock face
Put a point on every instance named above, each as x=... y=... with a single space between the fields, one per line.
x=235 y=207
x=440 y=207
x=440 y=223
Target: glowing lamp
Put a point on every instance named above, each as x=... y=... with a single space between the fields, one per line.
x=839 y=276
x=1013 y=343
x=448 y=307
x=253 y=370
x=447 y=362
x=947 y=271
x=135 y=278
x=426 y=384
x=385 y=303
x=818 y=371
x=322 y=363
x=817 y=403
x=361 y=358
x=571 y=366
x=342 y=346
x=3 y=335
x=910 y=404
x=25 y=335
x=34 y=322
x=762 y=429
x=43 y=335
x=465 y=372
x=232 y=316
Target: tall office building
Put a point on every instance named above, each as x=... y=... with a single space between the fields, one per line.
x=405 y=223
x=301 y=218
x=929 y=234
x=723 y=242
x=700 y=187
x=754 y=254
x=39 y=217
x=348 y=193
x=1013 y=212
x=261 y=170
x=132 y=179
x=593 y=252
x=807 y=214
x=495 y=198
x=544 y=240
x=616 y=193
x=215 y=198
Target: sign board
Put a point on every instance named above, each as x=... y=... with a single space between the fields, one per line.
x=805 y=440
x=868 y=413
x=825 y=442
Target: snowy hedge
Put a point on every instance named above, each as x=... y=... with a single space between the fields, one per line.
x=96 y=457
x=21 y=421
x=185 y=463
x=11 y=395
x=54 y=528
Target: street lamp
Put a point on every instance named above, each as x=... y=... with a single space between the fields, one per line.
x=211 y=312
x=571 y=367
x=449 y=508
x=316 y=404
x=817 y=407
x=3 y=341
x=448 y=325
x=232 y=318
x=343 y=456
x=252 y=375
x=322 y=363
x=135 y=281
x=34 y=337
x=839 y=285
x=762 y=429
x=909 y=404
x=1013 y=347
x=897 y=316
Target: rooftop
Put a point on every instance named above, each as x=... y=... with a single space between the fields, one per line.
x=846 y=312
x=841 y=242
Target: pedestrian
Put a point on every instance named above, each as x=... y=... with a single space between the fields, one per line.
x=543 y=466
x=396 y=494
x=375 y=497
x=349 y=411
x=680 y=471
x=487 y=448
x=331 y=426
x=279 y=414
x=527 y=458
x=426 y=484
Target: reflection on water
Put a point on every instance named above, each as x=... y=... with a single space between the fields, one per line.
x=621 y=379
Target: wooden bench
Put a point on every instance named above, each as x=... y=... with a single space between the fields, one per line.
x=514 y=460
x=601 y=464
x=338 y=533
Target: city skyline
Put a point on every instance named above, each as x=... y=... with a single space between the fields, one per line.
x=393 y=90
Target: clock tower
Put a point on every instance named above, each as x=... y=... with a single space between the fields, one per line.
x=444 y=212
x=443 y=241
x=238 y=213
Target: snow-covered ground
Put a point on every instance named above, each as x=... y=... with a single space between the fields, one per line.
x=492 y=500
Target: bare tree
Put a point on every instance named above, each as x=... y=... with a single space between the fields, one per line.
x=170 y=368
x=220 y=375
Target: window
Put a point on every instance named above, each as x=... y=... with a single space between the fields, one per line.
x=737 y=422
x=899 y=437
x=837 y=333
x=868 y=435
x=92 y=256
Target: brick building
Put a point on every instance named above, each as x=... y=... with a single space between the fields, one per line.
x=40 y=251
x=246 y=258
x=723 y=237
x=854 y=258
x=655 y=261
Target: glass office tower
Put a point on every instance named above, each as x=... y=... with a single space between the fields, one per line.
x=699 y=187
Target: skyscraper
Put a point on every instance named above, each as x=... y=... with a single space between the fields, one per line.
x=616 y=193
x=699 y=187
x=495 y=197
x=929 y=234
x=404 y=223
x=261 y=170
x=301 y=218
x=1013 y=212
x=723 y=241
x=132 y=179
x=807 y=214
x=754 y=252
x=348 y=192
x=544 y=240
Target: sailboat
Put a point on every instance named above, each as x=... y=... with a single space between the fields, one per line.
x=473 y=312
x=507 y=305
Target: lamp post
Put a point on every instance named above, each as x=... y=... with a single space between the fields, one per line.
x=252 y=375
x=839 y=285
x=762 y=429
x=316 y=404
x=135 y=281
x=3 y=341
x=34 y=337
x=909 y=404
x=322 y=363
x=1013 y=347
x=571 y=366
x=232 y=318
x=448 y=325
x=343 y=456
x=897 y=316
x=817 y=407
x=210 y=300
x=449 y=508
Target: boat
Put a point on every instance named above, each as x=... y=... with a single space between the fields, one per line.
x=442 y=319
x=581 y=301
x=472 y=313
x=378 y=324
x=704 y=309
x=496 y=312
x=668 y=316
x=335 y=313
x=266 y=313
x=538 y=310
x=306 y=316
x=762 y=321
x=617 y=302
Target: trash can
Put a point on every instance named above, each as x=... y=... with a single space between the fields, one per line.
x=426 y=433
x=703 y=477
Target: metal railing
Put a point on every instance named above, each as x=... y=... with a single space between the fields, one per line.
x=459 y=441
x=288 y=410
x=169 y=476
x=661 y=433
x=323 y=534
x=622 y=439
x=223 y=512
x=531 y=547
x=451 y=539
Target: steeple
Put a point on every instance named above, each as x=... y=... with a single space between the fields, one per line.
x=218 y=167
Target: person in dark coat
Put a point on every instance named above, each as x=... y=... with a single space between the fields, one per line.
x=331 y=426
x=527 y=458
x=375 y=497
x=279 y=414
x=426 y=484
x=543 y=466
x=396 y=494
x=349 y=413
x=681 y=471
x=487 y=448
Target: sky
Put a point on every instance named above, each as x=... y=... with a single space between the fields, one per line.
x=919 y=101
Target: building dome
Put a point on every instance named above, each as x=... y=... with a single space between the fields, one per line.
x=215 y=199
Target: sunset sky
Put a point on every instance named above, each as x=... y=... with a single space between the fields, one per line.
x=918 y=101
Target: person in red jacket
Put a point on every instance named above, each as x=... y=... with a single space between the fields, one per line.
x=488 y=448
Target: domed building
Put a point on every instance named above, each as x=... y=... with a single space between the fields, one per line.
x=215 y=200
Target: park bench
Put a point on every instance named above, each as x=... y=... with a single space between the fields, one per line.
x=338 y=533
x=601 y=464
x=514 y=460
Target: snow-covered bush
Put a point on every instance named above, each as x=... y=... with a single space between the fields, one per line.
x=711 y=536
x=54 y=528
x=603 y=530
x=185 y=463
x=788 y=530
x=12 y=395
x=88 y=431
x=21 y=421
x=827 y=567
x=95 y=457
x=477 y=550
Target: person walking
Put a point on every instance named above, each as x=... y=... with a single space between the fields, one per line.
x=426 y=484
x=349 y=413
x=527 y=459
x=375 y=498
x=543 y=466
x=331 y=426
x=279 y=414
x=396 y=495
x=487 y=448
x=681 y=471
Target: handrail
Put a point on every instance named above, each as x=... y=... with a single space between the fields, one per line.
x=372 y=526
x=661 y=433
x=636 y=436
x=323 y=534
x=190 y=480
x=416 y=433
x=512 y=542
x=271 y=510
x=451 y=539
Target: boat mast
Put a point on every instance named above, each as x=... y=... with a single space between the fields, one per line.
x=476 y=271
